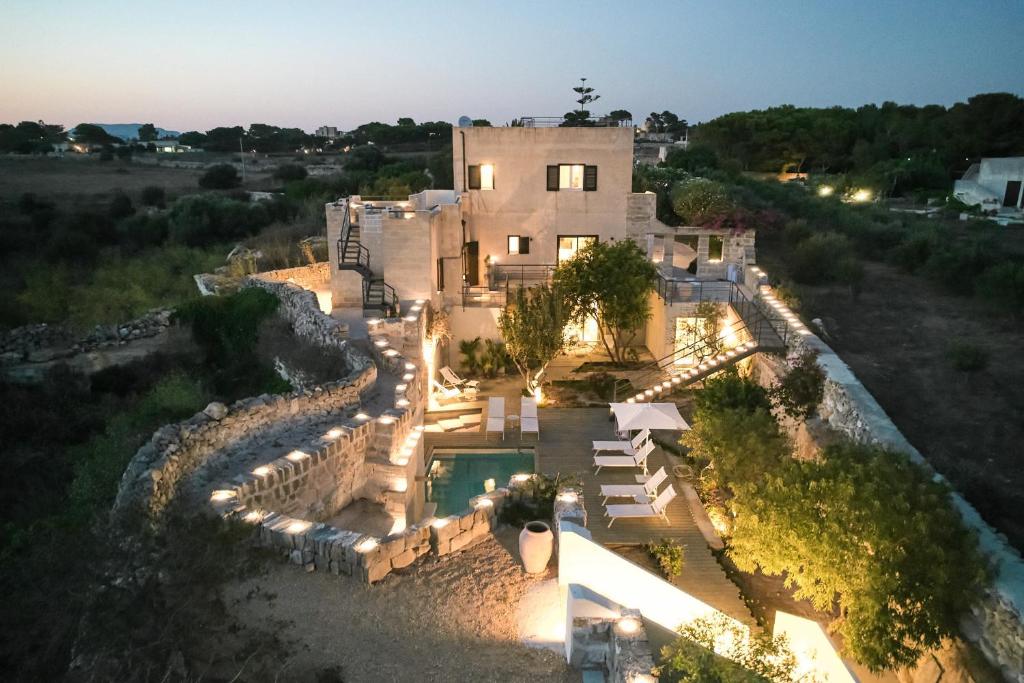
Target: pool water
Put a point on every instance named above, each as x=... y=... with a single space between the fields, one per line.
x=454 y=478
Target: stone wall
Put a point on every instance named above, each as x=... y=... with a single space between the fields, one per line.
x=996 y=624
x=617 y=645
x=300 y=307
x=314 y=276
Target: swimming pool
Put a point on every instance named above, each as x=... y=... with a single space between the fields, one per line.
x=455 y=477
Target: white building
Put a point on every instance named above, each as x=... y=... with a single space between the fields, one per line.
x=525 y=199
x=329 y=132
x=994 y=184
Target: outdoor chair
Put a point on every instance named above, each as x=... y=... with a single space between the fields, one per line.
x=641 y=493
x=528 y=421
x=453 y=380
x=639 y=460
x=446 y=393
x=495 y=416
x=626 y=447
x=657 y=508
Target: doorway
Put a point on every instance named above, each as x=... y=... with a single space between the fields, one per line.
x=1012 y=193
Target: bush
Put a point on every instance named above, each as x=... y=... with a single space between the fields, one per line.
x=142 y=231
x=290 y=172
x=199 y=220
x=966 y=357
x=800 y=390
x=698 y=200
x=220 y=177
x=816 y=260
x=670 y=556
x=1002 y=286
x=602 y=384
x=152 y=195
x=538 y=501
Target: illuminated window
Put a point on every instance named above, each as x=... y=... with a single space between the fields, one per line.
x=568 y=245
x=715 y=246
x=572 y=177
x=481 y=177
x=517 y=244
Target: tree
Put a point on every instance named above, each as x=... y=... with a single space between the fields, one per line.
x=153 y=195
x=872 y=532
x=620 y=115
x=611 y=282
x=289 y=172
x=220 y=177
x=91 y=134
x=698 y=200
x=147 y=132
x=749 y=657
x=406 y=121
x=481 y=123
x=581 y=116
x=192 y=138
x=533 y=327
x=800 y=391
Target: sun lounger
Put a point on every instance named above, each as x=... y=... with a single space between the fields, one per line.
x=626 y=447
x=657 y=508
x=641 y=493
x=638 y=460
x=528 y=407
x=453 y=380
x=495 y=416
x=447 y=393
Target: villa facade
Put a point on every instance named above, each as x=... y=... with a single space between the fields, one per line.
x=525 y=199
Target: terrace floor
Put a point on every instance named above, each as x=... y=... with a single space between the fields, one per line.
x=565 y=447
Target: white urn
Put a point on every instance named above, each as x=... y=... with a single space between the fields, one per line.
x=535 y=545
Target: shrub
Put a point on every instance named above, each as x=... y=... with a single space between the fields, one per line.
x=220 y=177
x=816 y=260
x=602 y=384
x=538 y=501
x=669 y=555
x=141 y=231
x=290 y=172
x=966 y=357
x=468 y=350
x=698 y=200
x=152 y=195
x=199 y=220
x=227 y=326
x=1002 y=286
x=799 y=392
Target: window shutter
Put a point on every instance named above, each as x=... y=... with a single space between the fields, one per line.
x=524 y=245
x=474 y=177
x=590 y=178
x=552 y=178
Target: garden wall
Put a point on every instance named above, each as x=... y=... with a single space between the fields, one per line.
x=315 y=276
x=997 y=622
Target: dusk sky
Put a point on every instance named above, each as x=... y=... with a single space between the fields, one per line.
x=198 y=64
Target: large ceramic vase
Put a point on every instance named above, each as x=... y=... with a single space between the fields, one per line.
x=535 y=545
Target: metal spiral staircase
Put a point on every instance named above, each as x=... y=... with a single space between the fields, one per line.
x=353 y=255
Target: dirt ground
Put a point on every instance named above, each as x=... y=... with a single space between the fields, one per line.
x=453 y=620
x=896 y=337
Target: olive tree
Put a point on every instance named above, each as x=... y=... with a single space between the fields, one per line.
x=610 y=281
x=749 y=657
x=533 y=327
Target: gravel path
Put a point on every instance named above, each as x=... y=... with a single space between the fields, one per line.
x=453 y=620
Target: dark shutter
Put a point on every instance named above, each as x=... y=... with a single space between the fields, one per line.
x=552 y=178
x=590 y=178
x=474 y=177
x=440 y=275
x=471 y=263
x=524 y=245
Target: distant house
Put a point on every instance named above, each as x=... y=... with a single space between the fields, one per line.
x=994 y=184
x=173 y=147
x=329 y=132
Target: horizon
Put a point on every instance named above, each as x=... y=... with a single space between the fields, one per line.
x=217 y=67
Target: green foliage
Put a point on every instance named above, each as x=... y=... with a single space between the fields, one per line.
x=1002 y=286
x=697 y=159
x=289 y=172
x=200 y=220
x=153 y=195
x=698 y=200
x=533 y=327
x=469 y=360
x=30 y=137
x=614 y=281
x=730 y=391
x=494 y=358
x=602 y=384
x=220 y=177
x=226 y=326
x=800 y=391
x=868 y=530
x=754 y=659
x=91 y=134
x=147 y=132
x=120 y=207
x=817 y=259
x=670 y=556
x=538 y=500
x=966 y=357
x=142 y=231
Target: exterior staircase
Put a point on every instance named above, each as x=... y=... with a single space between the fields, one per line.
x=759 y=326
x=353 y=255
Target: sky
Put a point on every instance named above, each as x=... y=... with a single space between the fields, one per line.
x=196 y=64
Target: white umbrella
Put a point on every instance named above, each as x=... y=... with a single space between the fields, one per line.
x=634 y=416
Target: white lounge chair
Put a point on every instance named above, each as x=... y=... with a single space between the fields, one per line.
x=447 y=393
x=495 y=416
x=528 y=421
x=641 y=493
x=657 y=508
x=638 y=460
x=626 y=447
x=453 y=380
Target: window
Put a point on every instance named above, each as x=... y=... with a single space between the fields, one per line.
x=572 y=177
x=481 y=177
x=517 y=244
x=568 y=245
x=715 y=245
x=440 y=275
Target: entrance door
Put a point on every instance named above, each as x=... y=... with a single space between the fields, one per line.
x=1012 y=193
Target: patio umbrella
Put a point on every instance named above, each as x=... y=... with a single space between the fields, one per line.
x=633 y=416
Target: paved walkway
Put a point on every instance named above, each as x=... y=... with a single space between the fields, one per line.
x=565 y=448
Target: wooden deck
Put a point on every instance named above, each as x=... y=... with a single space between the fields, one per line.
x=565 y=447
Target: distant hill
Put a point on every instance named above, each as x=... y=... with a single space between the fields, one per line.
x=130 y=131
